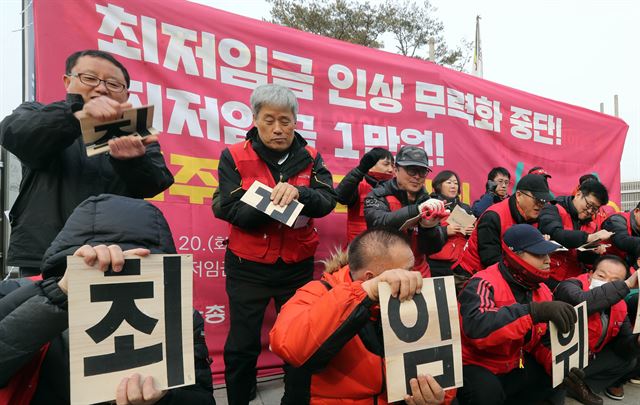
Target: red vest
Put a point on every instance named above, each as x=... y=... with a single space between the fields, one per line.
x=453 y=247
x=616 y=318
x=274 y=240
x=501 y=359
x=420 y=264
x=567 y=264
x=613 y=250
x=356 y=223
x=601 y=215
x=470 y=258
x=22 y=386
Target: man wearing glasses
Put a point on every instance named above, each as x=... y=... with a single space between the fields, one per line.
x=570 y=223
x=496 y=190
x=56 y=173
x=484 y=247
x=403 y=198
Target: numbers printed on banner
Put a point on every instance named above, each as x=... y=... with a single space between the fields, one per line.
x=478 y=112
x=386 y=95
x=542 y=128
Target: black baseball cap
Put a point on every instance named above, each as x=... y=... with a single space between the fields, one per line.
x=412 y=156
x=526 y=238
x=535 y=184
x=539 y=170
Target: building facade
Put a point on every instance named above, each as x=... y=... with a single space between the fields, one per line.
x=630 y=195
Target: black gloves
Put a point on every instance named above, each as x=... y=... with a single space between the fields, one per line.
x=491 y=186
x=560 y=313
x=371 y=158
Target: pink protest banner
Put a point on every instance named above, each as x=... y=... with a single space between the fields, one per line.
x=198 y=66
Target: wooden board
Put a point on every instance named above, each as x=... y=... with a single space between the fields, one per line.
x=152 y=329
x=460 y=217
x=571 y=349
x=636 y=324
x=421 y=336
x=259 y=197
x=134 y=121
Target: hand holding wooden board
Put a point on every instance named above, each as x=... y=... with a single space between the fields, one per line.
x=421 y=336
x=460 y=217
x=134 y=121
x=571 y=349
x=259 y=197
x=138 y=320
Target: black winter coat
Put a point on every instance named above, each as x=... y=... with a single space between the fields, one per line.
x=629 y=243
x=378 y=214
x=32 y=314
x=57 y=175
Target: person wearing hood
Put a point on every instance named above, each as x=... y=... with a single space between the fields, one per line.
x=34 y=338
x=404 y=203
x=446 y=187
x=504 y=311
x=611 y=341
x=266 y=259
x=569 y=221
x=375 y=167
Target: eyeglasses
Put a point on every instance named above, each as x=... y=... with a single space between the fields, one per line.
x=502 y=182
x=416 y=170
x=536 y=201
x=93 y=81
x=591 y=207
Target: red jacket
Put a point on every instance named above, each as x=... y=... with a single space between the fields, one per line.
x=316 y=316
x=420 y=264
x=568 y=265
x=453 y=247
x=275 y=240
x=495 y=326
x=616 y=319
x=356 y=223
x=470 y=259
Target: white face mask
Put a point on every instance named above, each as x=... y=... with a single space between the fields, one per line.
x=596 y=283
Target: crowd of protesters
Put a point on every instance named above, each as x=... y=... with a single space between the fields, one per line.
x=511 y=276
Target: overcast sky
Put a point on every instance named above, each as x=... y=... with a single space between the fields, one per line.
x=580 y=52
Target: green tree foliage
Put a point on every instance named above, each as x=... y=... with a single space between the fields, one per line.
x=410 y=24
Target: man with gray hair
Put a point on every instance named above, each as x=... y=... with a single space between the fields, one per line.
x=266 y=259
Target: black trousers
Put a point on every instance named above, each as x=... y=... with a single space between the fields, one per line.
x=247 y=304
x=526 y=385
x=606 y=368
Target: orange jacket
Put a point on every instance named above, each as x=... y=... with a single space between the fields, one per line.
x=318 y=329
